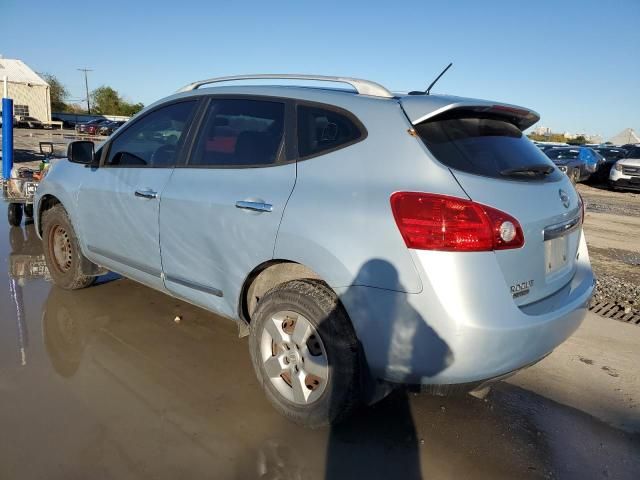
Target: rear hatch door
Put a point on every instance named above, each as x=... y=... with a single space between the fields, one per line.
x=496 y=165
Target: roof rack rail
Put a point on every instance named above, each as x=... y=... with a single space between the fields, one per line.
x=363 y=87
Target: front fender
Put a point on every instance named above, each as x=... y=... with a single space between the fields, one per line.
x=61 y=185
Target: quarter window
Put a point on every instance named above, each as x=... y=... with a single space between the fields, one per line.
x=240 y=132
x=321 y=129
x=154 y=140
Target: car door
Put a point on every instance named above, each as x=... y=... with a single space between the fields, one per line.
x=119 y=202
x=220 y=212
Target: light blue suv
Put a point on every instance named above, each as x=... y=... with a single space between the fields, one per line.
x=363 y=239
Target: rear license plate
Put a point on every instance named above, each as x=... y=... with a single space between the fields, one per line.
x=30 y=188
x=556 y=254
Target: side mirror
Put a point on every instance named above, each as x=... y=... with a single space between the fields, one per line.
x=82 y=152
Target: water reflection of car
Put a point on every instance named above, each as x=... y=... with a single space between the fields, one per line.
x=67 y=325
x=579 y=163
x=26 y=260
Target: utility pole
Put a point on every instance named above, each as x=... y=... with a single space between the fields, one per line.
x=86 y=86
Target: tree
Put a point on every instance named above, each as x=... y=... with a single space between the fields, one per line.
x=107 y=101
x=579 y=140
x=58 y=92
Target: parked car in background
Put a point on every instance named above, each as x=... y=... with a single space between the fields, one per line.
x=93 y=129
x=108 y=128
x=89 y=127
x=579 y=163
x=65 y=123
x=625 y=173
x=546 y=146
x=629 y=146
x=28 y=122
x=611 y=156
x=364 y=240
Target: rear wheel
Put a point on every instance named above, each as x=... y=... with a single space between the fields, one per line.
x=62 y=250
x=305 y=353
x=15 y=214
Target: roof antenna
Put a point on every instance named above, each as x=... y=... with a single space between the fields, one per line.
x=428 y=90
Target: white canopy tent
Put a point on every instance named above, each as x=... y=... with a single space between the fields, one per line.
x=625 y=136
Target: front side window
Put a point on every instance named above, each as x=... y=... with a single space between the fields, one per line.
x=322 y=130
x=154 y=140
x=240 y=132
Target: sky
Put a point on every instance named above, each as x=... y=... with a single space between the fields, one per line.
x=577 y=63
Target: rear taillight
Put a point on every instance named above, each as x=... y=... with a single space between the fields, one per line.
x=439 y=222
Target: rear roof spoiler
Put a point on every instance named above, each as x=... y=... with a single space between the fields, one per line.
x=421 y=108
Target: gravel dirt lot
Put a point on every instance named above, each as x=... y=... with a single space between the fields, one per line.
x=612 y=229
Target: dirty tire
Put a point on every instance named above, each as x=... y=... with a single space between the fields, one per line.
x=14 y=212
x=28 y=210
x=320 y=306
x=70 y=276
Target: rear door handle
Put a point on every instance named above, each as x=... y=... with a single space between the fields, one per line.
x=254 y=206
x=146 y=194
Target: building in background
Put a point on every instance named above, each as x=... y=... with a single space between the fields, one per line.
x=30 y=93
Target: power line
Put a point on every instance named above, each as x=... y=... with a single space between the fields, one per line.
x=86 y=85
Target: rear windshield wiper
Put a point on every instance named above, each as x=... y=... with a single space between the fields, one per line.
x=528 y=171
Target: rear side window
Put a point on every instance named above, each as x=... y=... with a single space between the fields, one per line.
x=482 y=145
x=240 y=132
x=321 y=130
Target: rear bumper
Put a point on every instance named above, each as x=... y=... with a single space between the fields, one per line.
x=459 y=330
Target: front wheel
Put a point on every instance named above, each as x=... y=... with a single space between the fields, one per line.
x=305 y=353
x=14 y=213
x=62 y=250
x=575 y=176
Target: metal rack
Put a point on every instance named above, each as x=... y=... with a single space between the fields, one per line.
x=362 y=87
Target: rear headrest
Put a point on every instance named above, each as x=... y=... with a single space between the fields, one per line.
x=255 y=148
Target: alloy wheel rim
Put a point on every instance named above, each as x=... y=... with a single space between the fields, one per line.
x=294 y=357
x=60 y=248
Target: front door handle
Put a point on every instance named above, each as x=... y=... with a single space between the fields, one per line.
x=146 y=194
x=254 y=206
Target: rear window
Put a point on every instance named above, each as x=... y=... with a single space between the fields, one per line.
x=482 y=145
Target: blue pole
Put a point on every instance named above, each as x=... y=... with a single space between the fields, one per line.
x=7 y=137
